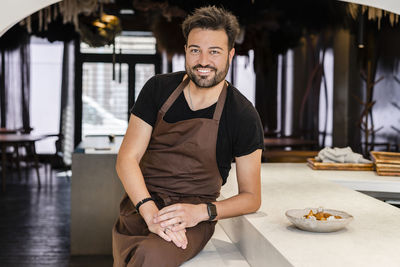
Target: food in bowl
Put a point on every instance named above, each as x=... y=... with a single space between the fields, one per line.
x=328 y=224
x=321 y=216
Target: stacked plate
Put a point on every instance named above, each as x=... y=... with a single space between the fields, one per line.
x=387 y=163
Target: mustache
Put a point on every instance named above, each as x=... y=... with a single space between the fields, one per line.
x=207 y=66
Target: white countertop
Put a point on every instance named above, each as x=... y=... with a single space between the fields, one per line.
x=371 y=239
x=99 y=145
x=357 y=180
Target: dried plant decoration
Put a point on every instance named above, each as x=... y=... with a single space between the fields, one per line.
x=69 y=9
x=373 y=13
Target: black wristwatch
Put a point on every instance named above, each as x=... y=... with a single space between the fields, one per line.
x=212 y=211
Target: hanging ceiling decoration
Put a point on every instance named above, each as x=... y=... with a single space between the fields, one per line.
x=95 y=27
x=374 y=14
x=68 y=9
x=98 y=32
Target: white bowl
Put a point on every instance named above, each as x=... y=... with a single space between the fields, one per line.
x=296 y=216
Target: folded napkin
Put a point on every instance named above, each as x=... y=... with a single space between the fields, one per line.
x=340 y=155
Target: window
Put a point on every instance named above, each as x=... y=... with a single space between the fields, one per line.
x=129 y=43
x=245 y=77
x=143 y=72
x=104 y=101
x=326 y=101
x=46 y=69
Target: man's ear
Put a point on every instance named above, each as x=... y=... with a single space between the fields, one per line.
x=231 y=54
x=185 y=47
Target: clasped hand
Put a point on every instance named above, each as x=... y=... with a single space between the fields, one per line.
x=177 y=237
x=171 y=222
x=178 y=216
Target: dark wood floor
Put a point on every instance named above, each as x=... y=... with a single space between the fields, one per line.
x=34 y=224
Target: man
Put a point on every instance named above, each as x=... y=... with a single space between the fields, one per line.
x=183 y=133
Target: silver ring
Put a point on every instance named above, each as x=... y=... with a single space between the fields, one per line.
x=165 y=230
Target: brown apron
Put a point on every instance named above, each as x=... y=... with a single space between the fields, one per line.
x=179 y=166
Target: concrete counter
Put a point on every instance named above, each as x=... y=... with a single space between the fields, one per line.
x=267 y=238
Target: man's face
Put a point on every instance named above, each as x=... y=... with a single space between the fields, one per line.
x=207 y=57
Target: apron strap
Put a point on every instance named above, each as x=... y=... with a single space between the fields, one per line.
x=171 y=99
x=175 y=94
x=220 y=103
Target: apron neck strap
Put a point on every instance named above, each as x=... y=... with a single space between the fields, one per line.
x=221 y=102
x=218 y=109
x=171 y=99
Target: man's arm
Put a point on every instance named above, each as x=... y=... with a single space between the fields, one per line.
x=132 y=149
x=133 y=146
x=248 y=199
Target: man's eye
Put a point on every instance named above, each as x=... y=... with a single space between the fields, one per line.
x=214 y=52
x=195 y=51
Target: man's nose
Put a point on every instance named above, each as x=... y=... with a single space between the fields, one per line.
x=203 y=59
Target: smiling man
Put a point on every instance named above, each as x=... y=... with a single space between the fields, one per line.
x=185 y=129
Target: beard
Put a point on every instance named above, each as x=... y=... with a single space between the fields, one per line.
x=203 y=81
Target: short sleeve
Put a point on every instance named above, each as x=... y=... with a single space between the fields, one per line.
x=145 y=106
x=249 y=135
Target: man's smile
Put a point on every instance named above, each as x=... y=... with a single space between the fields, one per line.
x=202 y=71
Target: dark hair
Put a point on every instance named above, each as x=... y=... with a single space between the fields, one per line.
x=213 y=18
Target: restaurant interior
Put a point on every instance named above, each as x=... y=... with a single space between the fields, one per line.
x=324 y=77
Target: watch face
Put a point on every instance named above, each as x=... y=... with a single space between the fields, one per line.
x=212 y=211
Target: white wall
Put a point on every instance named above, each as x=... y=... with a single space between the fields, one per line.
x=389 y=5
x=13 y=11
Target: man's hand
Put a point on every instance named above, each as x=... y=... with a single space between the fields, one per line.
x=158 y=230
x=179 y=238
x=180 y=216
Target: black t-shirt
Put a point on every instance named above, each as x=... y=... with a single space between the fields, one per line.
x=240 y=131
